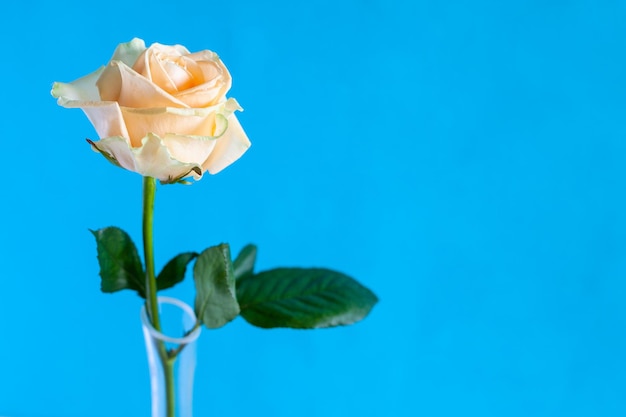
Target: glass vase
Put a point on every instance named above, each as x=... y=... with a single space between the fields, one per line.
x=171 y=379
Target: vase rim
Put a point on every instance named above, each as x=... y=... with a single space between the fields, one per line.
x=191 y=337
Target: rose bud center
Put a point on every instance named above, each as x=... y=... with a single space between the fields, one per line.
x=177 y=71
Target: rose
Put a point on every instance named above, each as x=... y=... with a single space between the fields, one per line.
x=160 y=111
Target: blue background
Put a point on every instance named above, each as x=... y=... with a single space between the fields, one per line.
x=465 y=160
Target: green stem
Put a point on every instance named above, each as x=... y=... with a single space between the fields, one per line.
x=168 y=377
x=149 y=192
x=152 y=306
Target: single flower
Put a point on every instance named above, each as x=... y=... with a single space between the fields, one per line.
x=160 y=111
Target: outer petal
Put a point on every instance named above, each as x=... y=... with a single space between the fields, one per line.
x=164 y=120
x=105 y=116
x=154 y=159
x=121 y=83
x=117 y=151
x=129 y=52
x=151 y=159
x=229 y=147
x=190 y=149
x=82 y=89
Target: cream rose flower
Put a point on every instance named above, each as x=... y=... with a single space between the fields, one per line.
x=160 y=111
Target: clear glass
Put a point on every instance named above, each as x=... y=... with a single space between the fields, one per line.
x=177 y=318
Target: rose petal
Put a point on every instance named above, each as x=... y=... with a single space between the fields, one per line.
x=171 y=74
x=142 y=66
x=151 y=159
x=204 y=95
x=190 y=149
x=212 y=70
x=205 y=55
x=109 y=84
x=194 y=69
x=121 y=83
x=154 y=160
x=161 y=121
x=178 y=74
x=158 y=75
x=171 y=50
x=129 y=52
x=229 y=147
x=180 y=49
x=143 y=62
x=105 y=116
x=215 y=69
x=117 y=148
x=82 y=89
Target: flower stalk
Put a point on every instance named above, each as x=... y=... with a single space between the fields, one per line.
x=152 y=306
x=149 y=192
